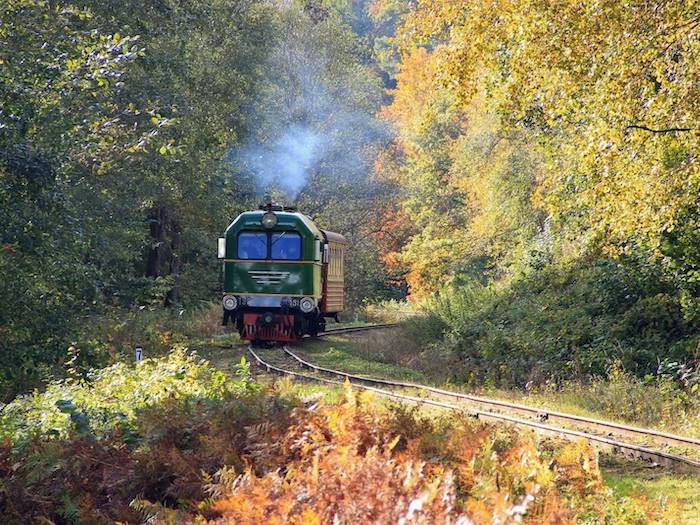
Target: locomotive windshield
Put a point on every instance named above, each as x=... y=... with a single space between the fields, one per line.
x=286 y=245
x=252 y=245
x=264 y=245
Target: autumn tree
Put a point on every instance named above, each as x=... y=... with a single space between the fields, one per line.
x=468 y=184
x=608 y=91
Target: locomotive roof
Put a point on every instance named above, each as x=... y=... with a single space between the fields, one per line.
x=285 y=220
x=334 y=237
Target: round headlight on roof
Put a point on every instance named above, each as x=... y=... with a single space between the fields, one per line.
x=269 y=220
x=230 y=302
x=307 y=304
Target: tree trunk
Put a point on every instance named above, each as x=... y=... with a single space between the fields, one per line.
x=162 y=257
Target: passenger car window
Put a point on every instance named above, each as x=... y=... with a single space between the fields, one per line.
x=286 y=245
x=252 y=245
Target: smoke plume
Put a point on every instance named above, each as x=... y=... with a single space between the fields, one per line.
x=287 y=161
x=315 y=122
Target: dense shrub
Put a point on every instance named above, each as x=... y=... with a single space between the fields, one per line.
x=113 y=397
x=649 y=401
x=562 y=322
x=82 y=450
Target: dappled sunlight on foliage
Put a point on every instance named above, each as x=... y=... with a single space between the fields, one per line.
x=562 y=323
x=113 y=396
x=119 y=131
x=84 y=450
x=524 y=173
x=201 y=447
x=547 y=156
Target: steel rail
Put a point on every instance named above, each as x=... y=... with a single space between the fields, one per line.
x=540 y=413
x=654 y=456
x=352 y=329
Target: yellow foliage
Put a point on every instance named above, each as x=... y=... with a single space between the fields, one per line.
x=585 y=112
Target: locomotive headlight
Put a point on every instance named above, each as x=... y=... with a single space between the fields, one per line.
x=269 y=220
x=230 y=302
x=221 y=248
x=307 y=304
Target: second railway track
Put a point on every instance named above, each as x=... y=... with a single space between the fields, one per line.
x=351 y=329
x=596 y=431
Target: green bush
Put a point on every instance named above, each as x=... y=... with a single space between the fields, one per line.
x=113 y=397
x=562 y=322
x=649 y=400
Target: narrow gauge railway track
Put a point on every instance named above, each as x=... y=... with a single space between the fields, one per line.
x=540 y=413
x=676 y=462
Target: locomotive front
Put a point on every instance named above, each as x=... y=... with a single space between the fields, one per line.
x=281 y=274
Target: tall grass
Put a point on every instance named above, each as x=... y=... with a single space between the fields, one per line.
x=390 y=311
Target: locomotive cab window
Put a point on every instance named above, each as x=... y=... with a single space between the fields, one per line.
x=286 y=246
x=252 y=245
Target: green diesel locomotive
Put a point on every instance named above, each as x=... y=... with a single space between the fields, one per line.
x=283 y=276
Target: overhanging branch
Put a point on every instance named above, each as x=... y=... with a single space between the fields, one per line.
x=652 y=130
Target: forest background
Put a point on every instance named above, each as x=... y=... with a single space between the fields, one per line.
x=525 y=170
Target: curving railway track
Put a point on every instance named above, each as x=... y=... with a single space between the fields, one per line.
x=603 y=434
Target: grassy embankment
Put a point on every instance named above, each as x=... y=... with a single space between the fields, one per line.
x=402 y=354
